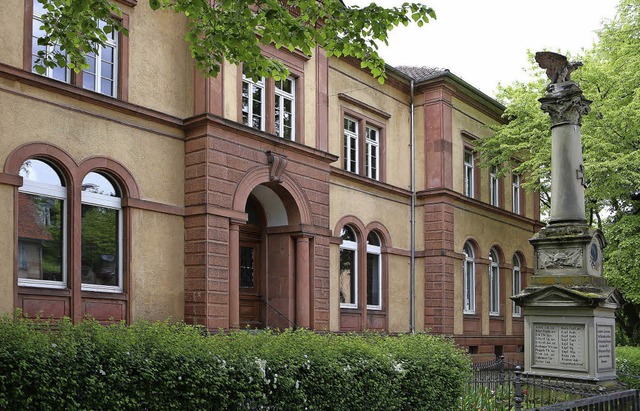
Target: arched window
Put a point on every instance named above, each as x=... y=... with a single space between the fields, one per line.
x=374 y=272
x=469 y=279
x=42 y=226
x=517 y=284
x=101 y=234
x=494 y=283
x=348 y=268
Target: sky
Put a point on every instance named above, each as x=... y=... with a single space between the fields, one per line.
x=485 y=42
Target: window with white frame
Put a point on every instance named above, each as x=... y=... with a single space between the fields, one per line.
x=42 y=234
x=350 y=145
x=374 y=272
x=517 y=284
x=468 y=173
x=494 y=283
x=57 y=73
x=348 y=268
x=515 y=181
x=102 y=74
x=494 y=188
x=101 y=229
x=469 y=280
x=285 y=108
x=372 y=149
x=253 y=103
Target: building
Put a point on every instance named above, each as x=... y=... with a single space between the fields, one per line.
x=233 y=202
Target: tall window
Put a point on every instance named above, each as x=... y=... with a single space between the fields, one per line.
x=102 y=74
x=371 y=152
x=468 y=173
x=374 y=272
x=469 y=279
x=253 y=107
x=348 y=269
x=101 y=234
x=494 y=283
x=494 y=187
x=42 y=226
x=284 y=108
x=517 y=284
x=350 y=145
x=58 y=73
x=515 y=179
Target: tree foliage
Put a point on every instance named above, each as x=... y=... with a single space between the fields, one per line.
x=611 y=146
x=234 y=30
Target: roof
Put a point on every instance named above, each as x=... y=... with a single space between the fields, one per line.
x=421 y=73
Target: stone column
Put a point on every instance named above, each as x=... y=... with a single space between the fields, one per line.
x=565 y=104
x=302 y=282
x=234 y=275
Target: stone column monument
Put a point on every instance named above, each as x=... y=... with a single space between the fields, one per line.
x=568 y=308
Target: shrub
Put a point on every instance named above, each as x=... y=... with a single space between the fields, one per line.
x=165 y=366
x=628 y=366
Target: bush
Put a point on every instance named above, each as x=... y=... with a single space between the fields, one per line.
x=164 y=366
x=628 y=366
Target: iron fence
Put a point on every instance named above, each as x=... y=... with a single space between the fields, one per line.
x=500 y=385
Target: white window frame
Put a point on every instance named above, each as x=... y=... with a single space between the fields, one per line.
x=469 y=173
x=516 y=284
x=351 y=246
x=115 y=203
x=59 y=193
x=469 y=280
x=97 y=84
x=350 y=140
x=251 y=86
x=281 y=96
x=377 y=251
x=49 y=50
x=515 y=182
x=494 y=283
x=494 y=187
x=371 y=145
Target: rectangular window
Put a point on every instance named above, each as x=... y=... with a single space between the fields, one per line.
x=350 y=145
x=517 y=288
x=246 y=267
x=494 y=187
x=348 y=278
x=469 y=287
x=285 y=108
x=372 y=152
x=516 y=193
x=57 y=73
x=468 y=173
x=102 y=74
x=494 y=281
x=253 y=107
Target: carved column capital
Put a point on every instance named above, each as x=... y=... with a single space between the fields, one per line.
x=565 y=103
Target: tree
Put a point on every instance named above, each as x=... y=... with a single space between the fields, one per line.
x=611 y=148
x=233 y=30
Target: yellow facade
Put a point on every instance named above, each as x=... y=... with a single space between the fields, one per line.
x=203 y=193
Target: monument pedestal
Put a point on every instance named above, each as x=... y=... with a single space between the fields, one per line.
x=570 y=333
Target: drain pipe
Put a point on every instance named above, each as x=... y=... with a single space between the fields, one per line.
x=412 y=324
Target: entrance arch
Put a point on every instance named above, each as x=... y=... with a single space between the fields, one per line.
x=269 y=254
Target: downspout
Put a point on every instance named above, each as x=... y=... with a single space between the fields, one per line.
x=412 y=269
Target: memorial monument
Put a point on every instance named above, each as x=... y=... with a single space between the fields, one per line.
x=568 y=308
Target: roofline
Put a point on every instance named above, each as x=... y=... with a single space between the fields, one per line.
x=446 y=74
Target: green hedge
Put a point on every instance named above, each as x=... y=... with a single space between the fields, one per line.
x=628 y=366
x=165 y=366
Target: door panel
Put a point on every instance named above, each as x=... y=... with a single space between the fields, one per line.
x=250 y=285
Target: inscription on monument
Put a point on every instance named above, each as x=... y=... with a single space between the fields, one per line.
x=558 y=345
x=604 y=335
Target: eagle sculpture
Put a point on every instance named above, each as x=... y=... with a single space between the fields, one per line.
x=558 y=68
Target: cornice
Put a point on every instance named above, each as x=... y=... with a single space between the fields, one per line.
x=335 y=171
x=458 y=198
x=211 y=120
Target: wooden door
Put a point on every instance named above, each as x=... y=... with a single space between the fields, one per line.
x=251 y=305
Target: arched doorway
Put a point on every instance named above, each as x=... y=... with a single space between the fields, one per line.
x=268 y=268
